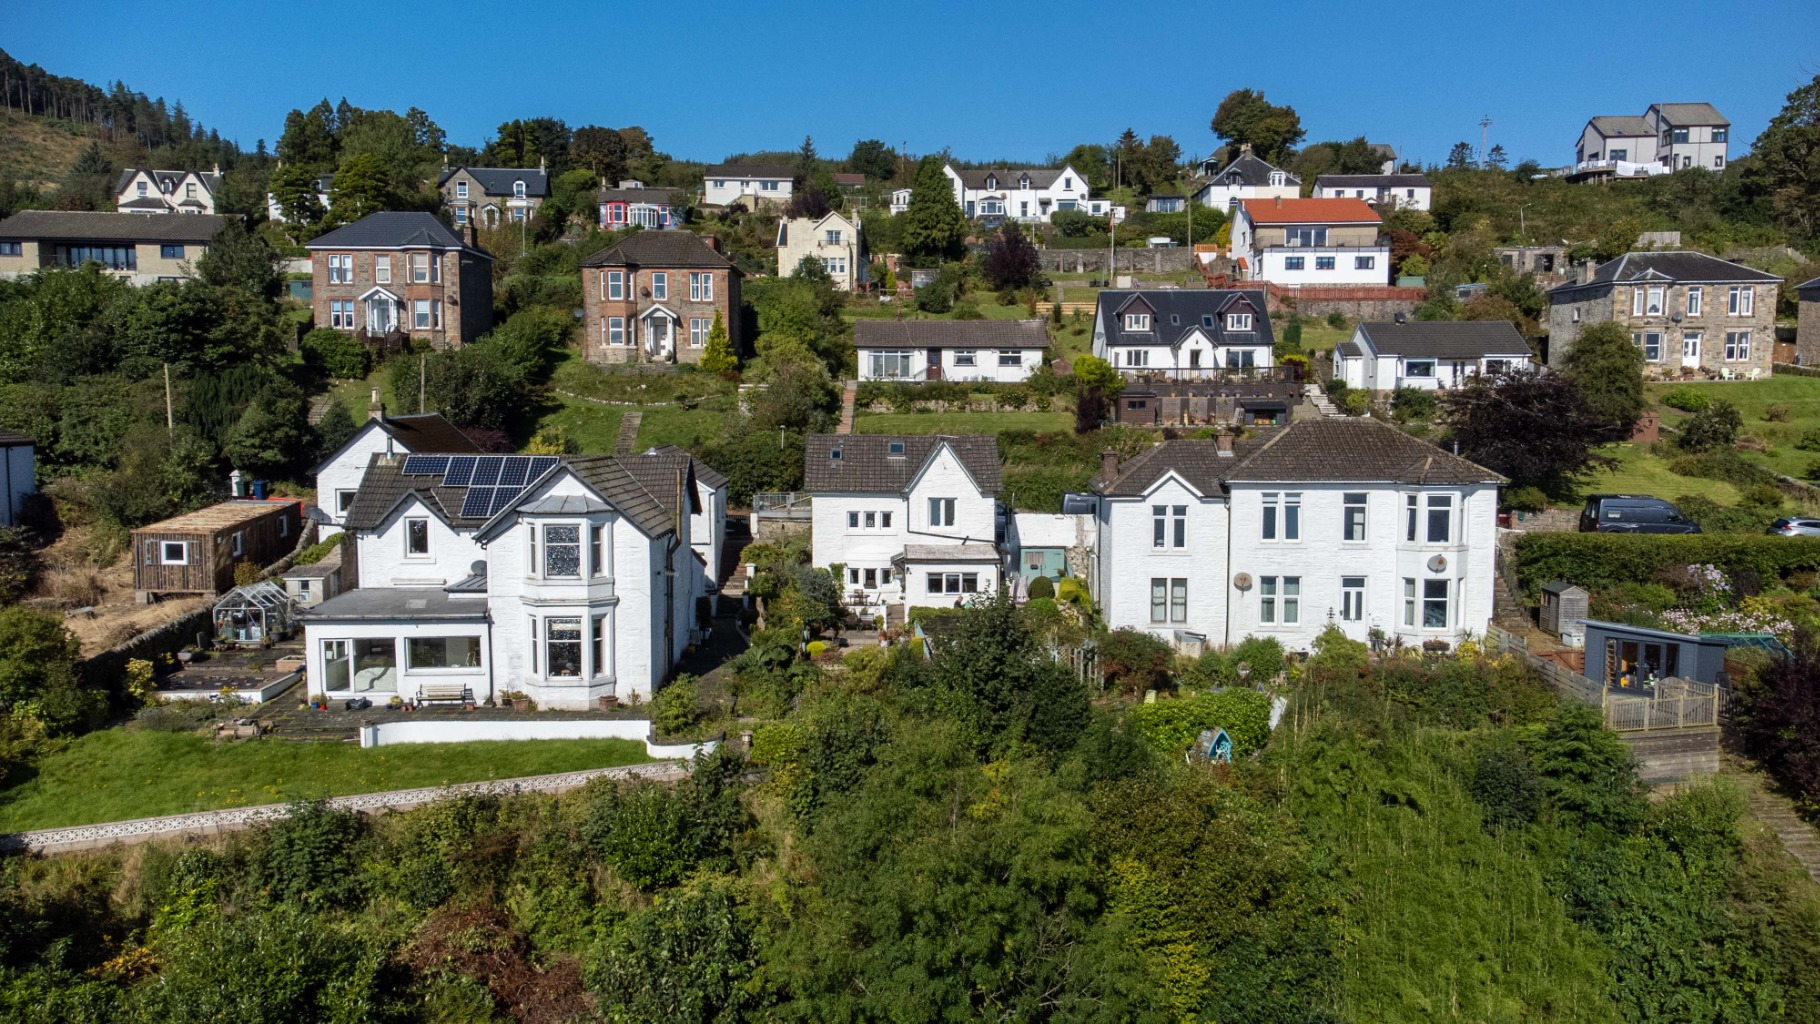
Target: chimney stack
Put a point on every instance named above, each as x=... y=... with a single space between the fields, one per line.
x=712 y=241
x=1402 y=318
x=1223 y=441
x=1109 y=464
x=375 y=408
x=1586 y=271
x=1279 y=202
x=1244 y=147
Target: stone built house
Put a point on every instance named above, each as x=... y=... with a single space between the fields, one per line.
x=1348 y=522
x=133 y=247
x=403 y=274
x=1807 y=326
x=652 y=298
x=489 y=196
x=1689 y=312
x=142 y=190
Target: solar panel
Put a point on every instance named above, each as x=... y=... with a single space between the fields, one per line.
x=540 y=464
x=486 y=471
x=503 y=498
x=461 y=470
x=425 y=465
x=512 y=472
x=475 y=505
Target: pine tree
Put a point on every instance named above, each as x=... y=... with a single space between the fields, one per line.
x=718 y=356
x=934 y=228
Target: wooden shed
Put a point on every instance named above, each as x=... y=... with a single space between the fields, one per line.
x=1563 y=608
x=195 y=553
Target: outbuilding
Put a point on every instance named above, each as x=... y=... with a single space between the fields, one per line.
x=195 y=553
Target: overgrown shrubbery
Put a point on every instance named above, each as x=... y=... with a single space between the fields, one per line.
x=1686 y=399
x=1600 y=560
x=1172 y=725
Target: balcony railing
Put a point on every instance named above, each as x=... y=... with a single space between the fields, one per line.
x=1211 y=374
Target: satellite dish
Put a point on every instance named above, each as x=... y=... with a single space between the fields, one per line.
x=1438 y=563
x=1242 y=580
x=479 y=568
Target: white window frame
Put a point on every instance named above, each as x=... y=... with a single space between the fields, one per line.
x=615 y=328
x=1741 y=300
x=1281 y=518
x=660 y=285
x=411 y=523
x=436 y=314
x=182 y=549
x=1737 y=346
x=1655 y=301
x=382 y=268
x=966 y=357
x=1351 y=502
x=941 y=512
x=1137 y=321
x=420 y=314
x=1352 y=598
x=1444 y=505
x=344 y=500
x=1238 y=321
x=1169 y=527
x=701 y=287
x=1696 y=300
x=461 y=190
x=1280 y=600
x=1445 y=600
x=1409 y=602
x=1011 y=357
x=616 y=284
x=698 y=331
x=420 y=267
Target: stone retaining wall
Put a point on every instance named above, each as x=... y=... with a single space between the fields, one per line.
x=206 y=823
x=1129 y=261
x=386 y=734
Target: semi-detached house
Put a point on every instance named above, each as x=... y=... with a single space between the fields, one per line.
x=1688 y=312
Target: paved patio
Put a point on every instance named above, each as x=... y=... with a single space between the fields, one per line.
x=290 y=721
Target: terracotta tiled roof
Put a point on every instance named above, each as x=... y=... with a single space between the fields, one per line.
x=1310 y=211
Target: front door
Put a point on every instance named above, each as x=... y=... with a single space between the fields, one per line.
x=935 y=365
x=1690 y=349
x=657 y=335
x=379 y=315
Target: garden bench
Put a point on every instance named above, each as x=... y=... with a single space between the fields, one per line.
x=444 y=691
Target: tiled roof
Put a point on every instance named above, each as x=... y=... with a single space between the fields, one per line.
x=950 y=334
x=499 y=181
x=659 y=249
x=1176 y=312
x=168 y=179
x=866 y=465
x=1198 y=462
x=1372 y=181
x=1615 y=126
x=417 y=434
x=1248 y=170
x=1678 y=266
x=82 y=226
x=705 y=473
x=390 y=229
x=654 y=196
x=750 y=171
x=1007 y=177
x=648 y=497
x=1310 y=211
x=1446 y=339
x=1353 y=450
x=1690 y=114
x=849 y=180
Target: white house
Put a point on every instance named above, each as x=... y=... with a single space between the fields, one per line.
x=1668 y=137
x=1018 y=193
x=1310 y=242
x=321 y=185
x=833 y=240
x=1184 y=333
x=566 y=578
x=1430 y=354
x=900 y=200
x=143 y=190
x=338 y=476
x=1247 y=177
x=1343 y=521
x=751 y=184
x=909 y=520
x=1006 y=351
x=1383 y=191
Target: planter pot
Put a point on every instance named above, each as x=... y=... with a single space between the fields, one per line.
x=609 y=702
x=521 y=704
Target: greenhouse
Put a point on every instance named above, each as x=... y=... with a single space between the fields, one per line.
x=258 y=613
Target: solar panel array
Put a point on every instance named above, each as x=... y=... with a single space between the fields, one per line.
x=494 y=482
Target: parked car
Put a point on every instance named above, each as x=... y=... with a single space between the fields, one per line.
x=1633 y=513
x=1795 y=526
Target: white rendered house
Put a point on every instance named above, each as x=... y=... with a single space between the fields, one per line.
x=1246 y=177
x=1384 y=191
x=146 y=191
x=1310 y=242
x=1427 y=354
x=909 y=520
x=750 y=184
x=1019 y=193
x=338 y=476
x=1347 y=522
x=566 y=578
x=1184 y=333
x=1004 y=351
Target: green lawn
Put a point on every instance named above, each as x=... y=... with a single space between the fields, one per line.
x=960 y=422
x=1799 y=395
x=590 y=427
x=1640 y=472
x=681 y=427
x=119 y=774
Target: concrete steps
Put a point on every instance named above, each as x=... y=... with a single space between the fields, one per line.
x=627 y=437
x=1317 y=394
x=849 y=396
x=1777 y=813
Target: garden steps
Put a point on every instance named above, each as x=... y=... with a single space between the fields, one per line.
x=1777 y=812
x=628 y=432
x=848 y=397
x=1318 y=395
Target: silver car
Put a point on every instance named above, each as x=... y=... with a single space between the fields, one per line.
x=1794 y=526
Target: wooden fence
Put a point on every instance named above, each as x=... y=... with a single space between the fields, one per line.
x=1673 y=704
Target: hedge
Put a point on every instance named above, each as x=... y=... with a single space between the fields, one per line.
x=1170 y=726
x=1600 y=560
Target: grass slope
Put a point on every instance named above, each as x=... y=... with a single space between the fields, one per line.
x=960 y=422
x=118 y=774
x=1800 y=396
x=1640 y=472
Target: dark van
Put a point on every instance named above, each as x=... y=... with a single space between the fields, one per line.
x=1632 y=513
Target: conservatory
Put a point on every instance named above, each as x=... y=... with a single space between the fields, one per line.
x=255 y=614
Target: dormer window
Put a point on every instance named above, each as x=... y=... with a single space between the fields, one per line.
x=1137 y=321
x=1238 y=321
x=167 y=186
x=1023 y=181
x=1279 y=178
x=518 y=189
x=992 y=181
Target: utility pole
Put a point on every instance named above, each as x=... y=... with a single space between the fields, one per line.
x=170 y=420
x=1484 y=135
x=423 y=373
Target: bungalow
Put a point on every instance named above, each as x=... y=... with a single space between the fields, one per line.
x=1006 y=351
x=1427 y=354
x=751 y=184
x=133 y=247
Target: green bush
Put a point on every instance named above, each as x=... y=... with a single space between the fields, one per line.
x=1525 y=499
x=1810 y=441
x=1713 y=517
x=677 y=707
x=1601 y=560
x=1408 y=404
x=1713 y=428
x=1776 y=413
x=967 y=311
x=1725 y=465
x=1686 y=399
x=338 y=353
x=1356 y=402
x=318 y=551
x=1041 y=589
x=1170 y=726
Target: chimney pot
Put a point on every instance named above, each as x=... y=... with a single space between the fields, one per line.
x=1109 y=464
x=1279 y=202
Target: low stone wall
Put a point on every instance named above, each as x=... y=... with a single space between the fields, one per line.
x=206 y=823
x=1314 y=304
x=385 y=734
x=1674 y=756
x=104 y=671
x=1127 y=261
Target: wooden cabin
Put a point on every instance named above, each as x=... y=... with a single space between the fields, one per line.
x=196 y=552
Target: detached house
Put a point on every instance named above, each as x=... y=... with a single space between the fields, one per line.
x=1310 y=242
x=1668 y=137
x=1184 y=333
x=911 y=521
x=634 y=204
x=490 y=196
x=992 y=194
x=567 y=578
x=402 y=273
x=1348 y=522
x=1430 y=354
x=1247 y=177
x=751 y=184
x=1384 y=191
x=831 y=240
x=1688 y=312
x=141 y=190
x=135 y=248
x=652 y=298
x=1007 y=351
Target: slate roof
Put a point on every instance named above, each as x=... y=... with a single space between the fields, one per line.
x=498 y=181
x=705 y=473
x=1353 y=450
x=1445 y=339
x=83 y=226
x=417 y=434
x=1198 y=462
x=866 y=465
x=648 y=497
x=950 y=334
x=747 y=172
x=1372 y=181
x=170 y=179
x=660 y=249
x=1679 y=266
x=13 y=439
x=391 y=230
x=1616 y=126
x=654 y=196
x=1809 y=289
x=1179 y=311
x=1690 y=114
x=1248 y=169
x=1310 y=211
x=1040 y=177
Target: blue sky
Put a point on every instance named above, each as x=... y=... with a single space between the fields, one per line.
x=987 y=81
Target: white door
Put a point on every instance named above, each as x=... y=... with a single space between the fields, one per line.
x=379 y=315
x=657 y=335
x=1690 y=349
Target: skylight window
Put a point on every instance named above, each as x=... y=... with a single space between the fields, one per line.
x=895 y=448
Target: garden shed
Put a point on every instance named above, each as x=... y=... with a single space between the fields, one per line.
x=195 y=553
x=1563 y=608
x=253 y=615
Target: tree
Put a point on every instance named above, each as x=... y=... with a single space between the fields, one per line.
x=308 y=141
x=1011 y=261
x=1094 y=372
x=1496 y=158
x=362 y=186
x=237 y=258
x=1608 y=367
x=273 y=436
x=1788 y=161
x=1534 y=426
x=718 y=356
x=601 y=150
x=1002 y=687
x=873 y=159
x=1779 y=719
x=1154 y=166
x=1712 y=428
x=934 y=228
x=1244 y=117
x=294 y=190
x=1460 y=156
x=38 y=678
